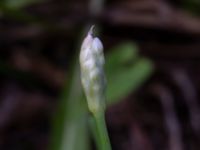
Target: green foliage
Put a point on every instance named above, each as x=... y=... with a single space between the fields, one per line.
x=14 y=9
x=18 y=4
x=125 y=72
x=69 y=127
x=192 y=5
x=119 y=56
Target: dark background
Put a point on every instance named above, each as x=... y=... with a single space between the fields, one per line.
x=39 y=39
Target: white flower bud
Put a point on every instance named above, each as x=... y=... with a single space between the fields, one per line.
x=92 y=72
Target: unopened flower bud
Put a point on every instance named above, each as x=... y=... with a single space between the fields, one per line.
x=92 y=72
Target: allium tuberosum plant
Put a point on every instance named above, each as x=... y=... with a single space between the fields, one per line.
x=94 y=84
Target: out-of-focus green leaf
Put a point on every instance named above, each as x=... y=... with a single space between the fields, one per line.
x=192 y=5
x=69 y=130
x=17 y=4
x=119 y=56
x=125 y=72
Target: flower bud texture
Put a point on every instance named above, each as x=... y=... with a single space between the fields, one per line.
x=92 y=72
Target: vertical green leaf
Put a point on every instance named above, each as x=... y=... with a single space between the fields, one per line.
x=70 y=124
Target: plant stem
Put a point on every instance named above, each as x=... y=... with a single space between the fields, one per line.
x=100 y=131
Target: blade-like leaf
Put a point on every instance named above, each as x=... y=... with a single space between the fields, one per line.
x=69 y=130
x=119 y=56
x=125 y=72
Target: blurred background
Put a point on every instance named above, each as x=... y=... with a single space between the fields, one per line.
x=152 y=50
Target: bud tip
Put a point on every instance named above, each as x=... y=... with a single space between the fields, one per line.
x=91 y=30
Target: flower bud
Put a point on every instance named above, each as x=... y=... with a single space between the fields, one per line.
x=92 y=72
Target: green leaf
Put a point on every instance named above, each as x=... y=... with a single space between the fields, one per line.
x=125 y=72
x=17 y=4
x=70 y=124
x=70 y=130
x=192 y=6
x=119 y=56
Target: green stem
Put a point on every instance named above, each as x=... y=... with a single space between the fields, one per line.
x=100 y=131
